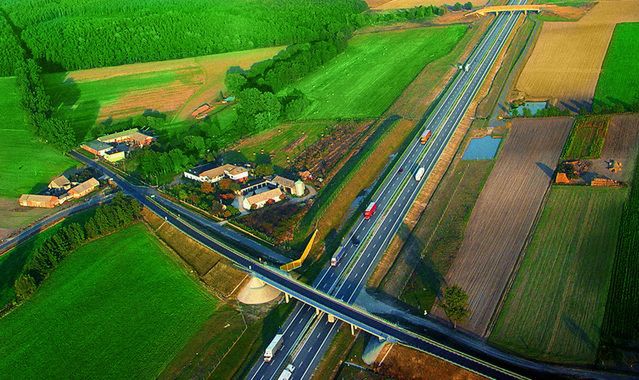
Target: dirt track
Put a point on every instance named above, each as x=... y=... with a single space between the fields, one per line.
x=567 y=58
x=504 y=214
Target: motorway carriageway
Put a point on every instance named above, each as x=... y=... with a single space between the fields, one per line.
x=297 y=288
x=306 y=338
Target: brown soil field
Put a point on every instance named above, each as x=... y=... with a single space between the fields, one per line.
x=407 y=363
x=567 y=58
x=622 y=141
x=199 y=80
x=399 y=4
x=504 y=215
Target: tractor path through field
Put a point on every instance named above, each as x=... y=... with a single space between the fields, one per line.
x=504 y=214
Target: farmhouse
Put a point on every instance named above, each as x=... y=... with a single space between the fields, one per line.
x=130 y=137
x=60 y=183
x=289 y=186
x=202 y=111
x=34 y=200
x=96 y=147
x=260 y=200
x=205 y=173
x=83 y=189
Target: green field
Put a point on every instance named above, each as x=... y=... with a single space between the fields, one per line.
x=27 y=164
x=620 y=327
x=555 y=309
x=374 y=70
x=440 y=232
x=587 y=137
x=619 y=78
x=119 y=307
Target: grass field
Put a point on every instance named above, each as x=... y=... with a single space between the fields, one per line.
x=27 y=164
x=175 y=87
x=374 y=70
x=555 y=308
x=12 y=262
x=118 y=307
x=619 y=78
x=438 y=234
x=587 y=137
x=620 y=323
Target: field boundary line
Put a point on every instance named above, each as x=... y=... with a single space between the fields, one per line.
x=520 y=257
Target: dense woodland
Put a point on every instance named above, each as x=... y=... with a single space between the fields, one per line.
x=10 y=48
x=76 y=34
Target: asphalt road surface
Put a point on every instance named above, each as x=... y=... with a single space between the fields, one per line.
x=306 y=338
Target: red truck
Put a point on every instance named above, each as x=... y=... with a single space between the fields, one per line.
x=370 y=210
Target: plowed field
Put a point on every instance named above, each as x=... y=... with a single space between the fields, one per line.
x=504 y=214
x=175 y=86
x=567 y=59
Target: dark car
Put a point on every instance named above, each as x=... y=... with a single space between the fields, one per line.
x=401 y=170
x=355 y=240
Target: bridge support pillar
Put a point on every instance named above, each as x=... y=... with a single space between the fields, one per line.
x=331 y=318
x=317 y=311
x=287 y=297
x=353 y=329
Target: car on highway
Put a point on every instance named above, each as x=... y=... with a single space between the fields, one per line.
x=355 y=240
x=401 y=170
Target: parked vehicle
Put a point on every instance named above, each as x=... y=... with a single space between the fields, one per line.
x=272 y=348
x=425 y=136
x=370 y=210
x=420 y=174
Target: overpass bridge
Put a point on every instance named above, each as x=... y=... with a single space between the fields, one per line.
x=496 y=9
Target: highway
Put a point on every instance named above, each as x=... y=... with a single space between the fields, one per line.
x=306 y=338
x=302 y=291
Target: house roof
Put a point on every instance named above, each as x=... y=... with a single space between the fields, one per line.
x=86 y=185
x=235 y=170
x=117 y=135
x=60 y=181
x=269 y=194
x=216 y=172
x=38 y=198
x=282 y=181
x=98 y=145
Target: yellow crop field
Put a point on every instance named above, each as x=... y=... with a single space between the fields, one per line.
x=567 y=59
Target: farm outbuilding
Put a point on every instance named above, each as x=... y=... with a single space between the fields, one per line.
x=84 y=188
x=60 y=183
x=96 y=147
x=262 y=199
x=205 y=173
x=289 y=186
x=130 y=136
x=34 y=200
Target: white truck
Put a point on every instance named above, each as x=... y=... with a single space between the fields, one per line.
x=466 y=67
x=272 y=348
x=287 y=373
x=420 y=174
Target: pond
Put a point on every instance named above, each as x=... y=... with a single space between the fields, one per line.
x=533 y=107
x=484 y=148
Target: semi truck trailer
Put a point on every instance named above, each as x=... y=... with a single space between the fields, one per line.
x=272 y=348
x=420 y=174
x=370 y=210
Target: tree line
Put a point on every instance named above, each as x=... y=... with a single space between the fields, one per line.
x=420 y=13
x=86 y=34
x=37 y=104
x=44 y=259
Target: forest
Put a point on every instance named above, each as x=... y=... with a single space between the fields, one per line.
x=11 y=50
x=69 y=35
